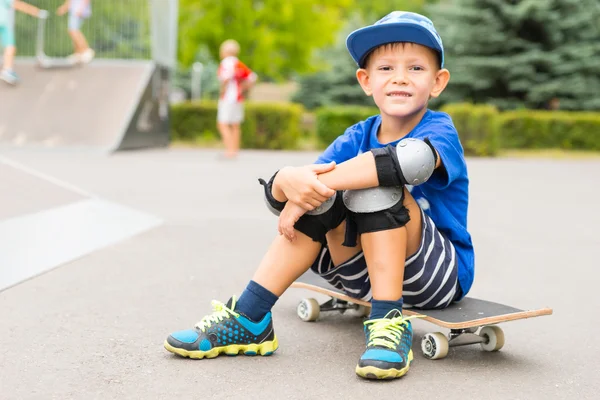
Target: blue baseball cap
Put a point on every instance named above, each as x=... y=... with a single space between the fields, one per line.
x=397 y=26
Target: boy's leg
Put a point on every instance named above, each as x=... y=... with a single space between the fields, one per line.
x=415 y=263
x=7 y=38
x=235 y=138
x=9 y=58
x=246 y=326
x=226 y=137
x=387 y=250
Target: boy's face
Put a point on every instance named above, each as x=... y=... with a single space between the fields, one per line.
x=402 y=77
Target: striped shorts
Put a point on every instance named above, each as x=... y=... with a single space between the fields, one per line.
x=430 y=275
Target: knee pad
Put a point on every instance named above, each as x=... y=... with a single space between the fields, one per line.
x=376 y=209
x=315 y=223
x=410 y=162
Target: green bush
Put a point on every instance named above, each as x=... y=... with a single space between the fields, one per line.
x=266 y=125
x=476 y=127
x=333 y=121
x=549 y=129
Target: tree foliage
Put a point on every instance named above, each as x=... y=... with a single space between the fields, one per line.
x=522 y=53
x=276 y=37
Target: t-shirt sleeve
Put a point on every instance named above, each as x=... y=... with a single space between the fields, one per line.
x=444 y=139
x=343 y=148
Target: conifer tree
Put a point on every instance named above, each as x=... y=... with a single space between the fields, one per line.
x=522 y=53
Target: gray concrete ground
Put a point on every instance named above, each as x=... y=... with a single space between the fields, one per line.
x=94 y=328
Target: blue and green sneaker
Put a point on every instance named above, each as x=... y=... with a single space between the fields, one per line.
x=224 y=331
x=389 y=341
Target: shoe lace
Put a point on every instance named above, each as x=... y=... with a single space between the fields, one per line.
x=387 y=332
x=220 y=312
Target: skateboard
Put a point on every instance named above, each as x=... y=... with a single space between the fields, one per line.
x=470 y=321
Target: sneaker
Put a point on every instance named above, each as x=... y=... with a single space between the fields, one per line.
x=225 y=331
x=9 y=76
x=87 y=56
x=389 y=341
x=74 y=58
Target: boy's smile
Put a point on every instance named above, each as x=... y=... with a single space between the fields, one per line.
x=402 y=77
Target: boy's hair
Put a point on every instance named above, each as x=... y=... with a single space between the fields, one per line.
x=391 y=46
x=230 y=46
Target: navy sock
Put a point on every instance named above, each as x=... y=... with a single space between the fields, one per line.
x=255 y=301
x=380 y=308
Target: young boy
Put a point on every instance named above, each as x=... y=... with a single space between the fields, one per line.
x=7 y=34
x=235 y=78
x=78 y=11
x=387 y=211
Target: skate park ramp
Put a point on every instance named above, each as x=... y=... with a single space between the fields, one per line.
x=107 y=105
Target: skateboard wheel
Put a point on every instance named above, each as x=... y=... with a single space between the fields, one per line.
x=308 y=310
x=434 y=345
x=494 y=338
x=363 y=311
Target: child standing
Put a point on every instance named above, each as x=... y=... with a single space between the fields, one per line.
x=382 y=215
x=7 y=34
x=78 y=11
x=235 y=78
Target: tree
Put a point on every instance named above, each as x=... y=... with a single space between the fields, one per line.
x=522 y=53
x=336 y=84
x=276 y=37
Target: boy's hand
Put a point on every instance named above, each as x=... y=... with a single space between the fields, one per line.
x=301 y=186
x=62 y=10
x=289 y=216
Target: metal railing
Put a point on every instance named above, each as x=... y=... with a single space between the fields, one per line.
x=116 y=29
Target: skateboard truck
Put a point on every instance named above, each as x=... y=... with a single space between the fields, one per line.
x=309 y=309
x=435 y=345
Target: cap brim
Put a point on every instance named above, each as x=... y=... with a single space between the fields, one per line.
x=362 y=41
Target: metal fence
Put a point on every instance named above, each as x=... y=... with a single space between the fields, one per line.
x=116 y=29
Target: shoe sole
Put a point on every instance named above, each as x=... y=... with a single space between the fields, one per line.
x=370 y=372
x=263 y=349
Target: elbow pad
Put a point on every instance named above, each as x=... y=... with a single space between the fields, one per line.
x=410 y=162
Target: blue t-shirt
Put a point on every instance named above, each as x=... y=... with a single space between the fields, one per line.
x=444 y=197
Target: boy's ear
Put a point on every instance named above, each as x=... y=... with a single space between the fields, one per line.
x=363 y=79
x=441 y=81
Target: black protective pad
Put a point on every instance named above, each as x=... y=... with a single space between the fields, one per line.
x=468 y=309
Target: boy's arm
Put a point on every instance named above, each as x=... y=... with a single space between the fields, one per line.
x=357 y=173
x=62 y=10
x=26 y=8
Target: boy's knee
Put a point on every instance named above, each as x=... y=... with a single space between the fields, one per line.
x=377 y=209
x=316 y=223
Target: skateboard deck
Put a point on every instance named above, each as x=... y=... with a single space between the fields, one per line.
x=463 y=319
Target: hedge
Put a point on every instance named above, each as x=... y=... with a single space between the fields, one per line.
x=482 y=129
x=266 y=125
x=547 y=129
x=476 y=127
x=333 y=121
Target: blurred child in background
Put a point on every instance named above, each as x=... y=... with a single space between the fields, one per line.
x=7 y=34
x=236 y=79
x=78 y=11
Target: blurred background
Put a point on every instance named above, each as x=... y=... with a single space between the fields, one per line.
x=525 y=73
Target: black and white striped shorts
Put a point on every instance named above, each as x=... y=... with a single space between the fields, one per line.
x=430 y=275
